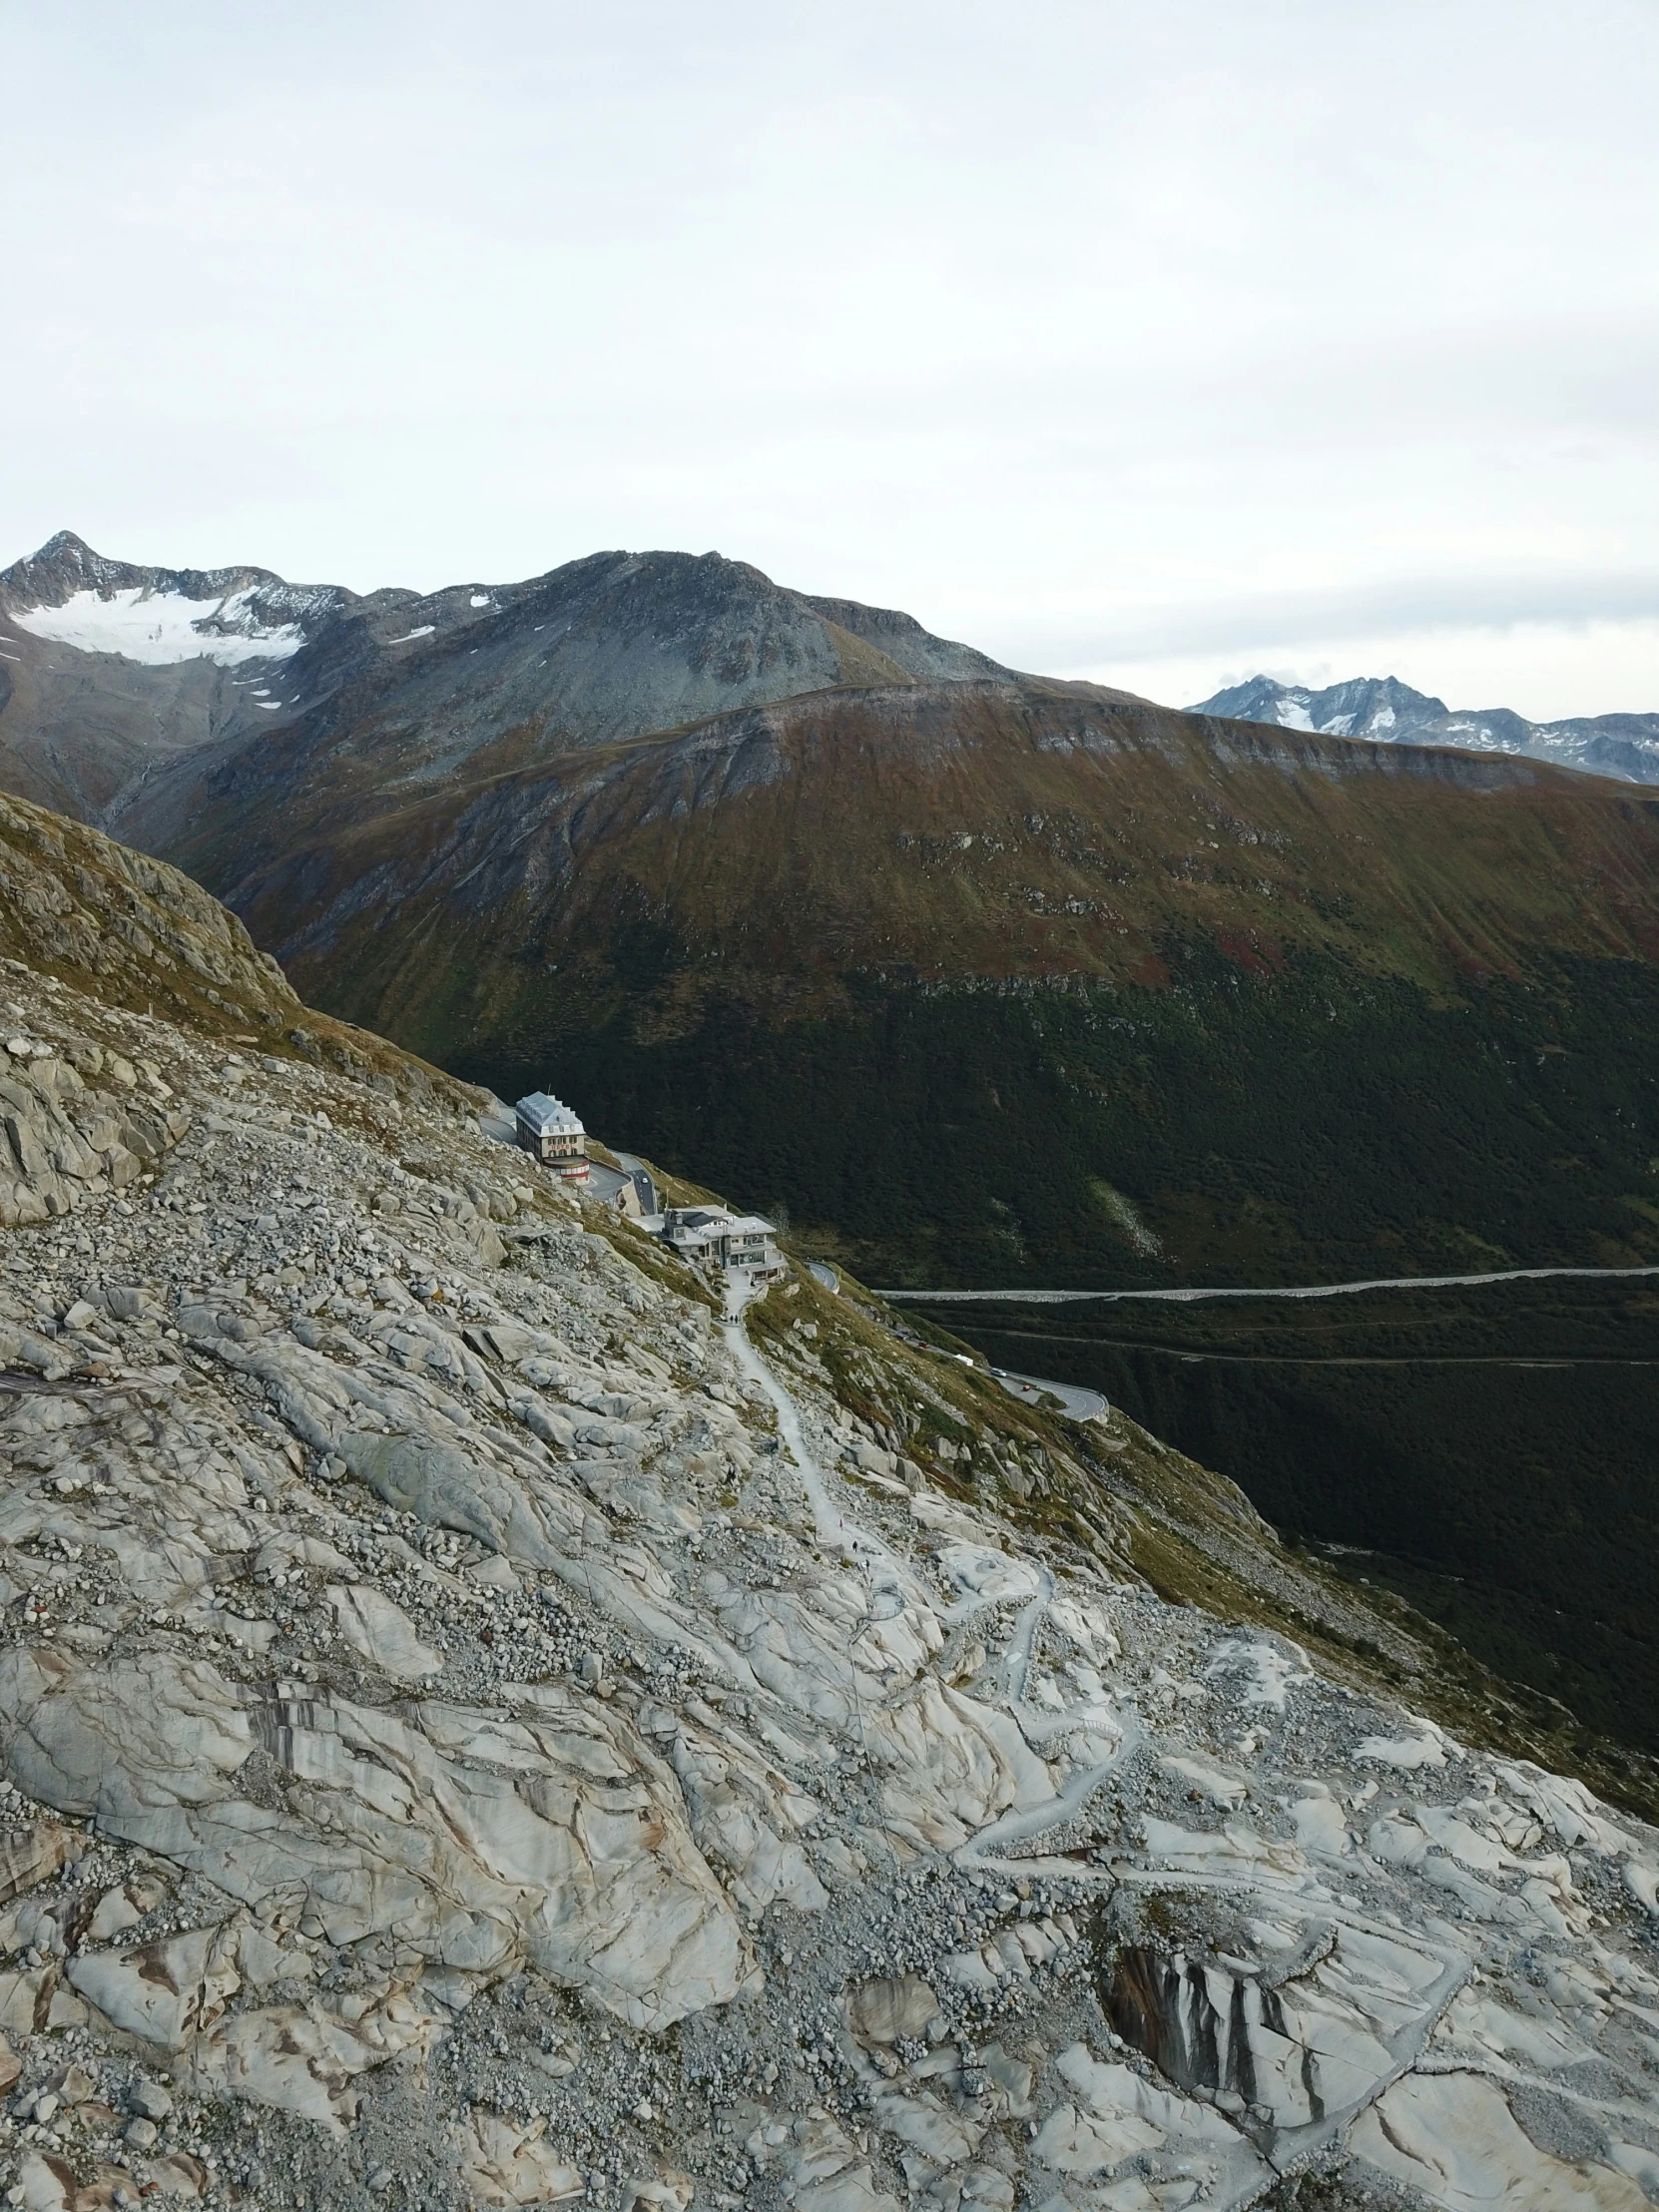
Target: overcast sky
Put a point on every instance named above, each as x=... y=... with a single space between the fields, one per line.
x=1153 y=344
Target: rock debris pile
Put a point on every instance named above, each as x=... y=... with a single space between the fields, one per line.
x=482 y=1726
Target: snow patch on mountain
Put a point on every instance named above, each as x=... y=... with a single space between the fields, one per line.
x=161 y=628
x=1388 y=711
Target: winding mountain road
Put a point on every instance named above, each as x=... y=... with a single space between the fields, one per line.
x=1077 y=1402
x=1308 y=1290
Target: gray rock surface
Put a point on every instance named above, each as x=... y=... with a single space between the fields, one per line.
x=481 y=1727
x=132 y=689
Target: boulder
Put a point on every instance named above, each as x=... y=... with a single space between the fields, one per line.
x=890 y=2011
x=382 y=1633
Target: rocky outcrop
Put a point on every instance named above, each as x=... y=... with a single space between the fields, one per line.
x=66 y=1136
x=478 y=1728
x=567 y=1845
x=84 y=919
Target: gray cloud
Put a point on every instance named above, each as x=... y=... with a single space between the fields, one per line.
x=1083 y=329
x=1414 y=605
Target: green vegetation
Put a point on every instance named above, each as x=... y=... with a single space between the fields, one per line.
x=1493 y=1453
x=1313 y=1125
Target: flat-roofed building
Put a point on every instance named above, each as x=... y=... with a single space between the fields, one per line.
x=553 y=1132
x=709 y=1237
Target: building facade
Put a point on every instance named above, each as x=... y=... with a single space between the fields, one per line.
x=709 y=1237
x=554 y=1134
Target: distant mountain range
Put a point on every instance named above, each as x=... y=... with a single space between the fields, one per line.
x=985 y=975
x=1387 y=712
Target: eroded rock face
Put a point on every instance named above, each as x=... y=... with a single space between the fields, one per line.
x=64 y=1138
x=490 y=1735
x=505 y=2162
x=478 y=1838
x=1283 y=2050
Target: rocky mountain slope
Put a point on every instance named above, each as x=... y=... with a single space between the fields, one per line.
x=487 y=1721
x=126 y=691
x=1387 y=712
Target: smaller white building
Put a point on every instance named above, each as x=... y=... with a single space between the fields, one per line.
x=709 y=1237
x=554 y=1133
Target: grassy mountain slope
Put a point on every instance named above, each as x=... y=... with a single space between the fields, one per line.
x=983 y=977
x=78 y=912
x=1004 y=981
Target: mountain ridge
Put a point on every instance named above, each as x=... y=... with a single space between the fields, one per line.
x=1384 y=711
x=121 y=694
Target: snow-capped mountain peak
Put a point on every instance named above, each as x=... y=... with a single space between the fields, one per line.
x=1388 y=711
x=69 y=595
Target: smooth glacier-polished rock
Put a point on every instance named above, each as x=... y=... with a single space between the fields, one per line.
x=495 y=1734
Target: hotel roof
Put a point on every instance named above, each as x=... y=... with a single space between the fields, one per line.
x=547 y=1115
